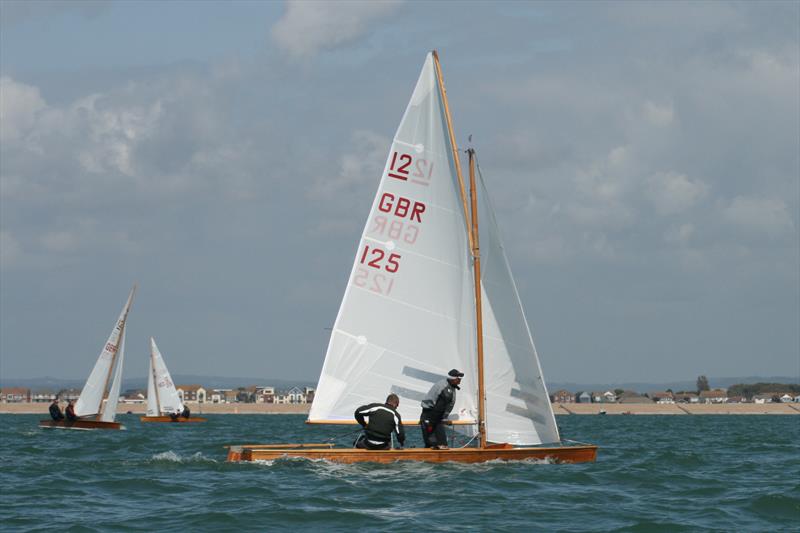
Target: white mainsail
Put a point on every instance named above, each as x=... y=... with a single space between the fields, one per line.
x=110 y=409
x=518 y=409
x=407 y=316
x=161 y=383
x=93 y=391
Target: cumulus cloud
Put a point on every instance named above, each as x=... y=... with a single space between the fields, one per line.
x=309 y=26
x=671 y=192
x=19 y=106
x=768 y=216
x=658 y=115
x=341 y=193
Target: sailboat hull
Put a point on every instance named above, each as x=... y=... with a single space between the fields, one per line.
x=557 y=454
x=179 y=420
x=79 y=424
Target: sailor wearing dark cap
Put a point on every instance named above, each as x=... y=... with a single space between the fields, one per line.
x=436 y=408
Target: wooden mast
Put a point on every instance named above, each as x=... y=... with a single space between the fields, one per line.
x=472 y=235
x=452 y=135
x=155 y=381
x=476 y=262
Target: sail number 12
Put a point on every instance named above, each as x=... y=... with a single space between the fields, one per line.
x=377 y=258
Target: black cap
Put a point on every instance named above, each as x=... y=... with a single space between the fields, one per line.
x=455 y=374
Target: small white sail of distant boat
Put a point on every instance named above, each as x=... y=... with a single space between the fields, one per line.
x=162 y=397
x=94 y=390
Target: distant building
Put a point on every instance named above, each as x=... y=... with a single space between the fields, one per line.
x=662 y=397
x=134 y=396
x=69 y=394
x=604 y=397
x=632 y=397
x=562 y=396
x=15 y=395
x=714 y=396
x=191 y=393
x=786 y=398
x=687 y=397
x=309 y=392
x=43 y=396
x=222 y=396
x=764 y=398
x=583 y=397
x=265 y=395
x=295 y=395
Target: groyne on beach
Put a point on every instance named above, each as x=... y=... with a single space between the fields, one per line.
x=559 y=408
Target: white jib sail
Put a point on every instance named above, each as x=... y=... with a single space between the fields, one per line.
x=168 y=398
x=152 y=403
x=93 y=391
x=110 y=410
x=407 y=316
x=518 y=409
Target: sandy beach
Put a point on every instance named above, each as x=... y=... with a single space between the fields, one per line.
x=559 y=409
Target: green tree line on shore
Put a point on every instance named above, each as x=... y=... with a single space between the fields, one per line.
x=748 y=390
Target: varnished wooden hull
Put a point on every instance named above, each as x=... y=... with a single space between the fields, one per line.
x=558 y=454
x=179 y=420
x=79 y=424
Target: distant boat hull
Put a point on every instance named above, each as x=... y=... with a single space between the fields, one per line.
x=557 y=454
x=179 y=420
x=79 y=424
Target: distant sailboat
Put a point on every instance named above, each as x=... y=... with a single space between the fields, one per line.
x=90 y=410
x=417 y=304
x=163 y=402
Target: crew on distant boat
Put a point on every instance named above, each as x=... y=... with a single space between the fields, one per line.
x=436 y=408
x=174 y=416
x=55 y=411
x=383 y=421
x=70 y=411
x=186 y=413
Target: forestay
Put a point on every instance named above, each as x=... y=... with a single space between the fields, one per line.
x=518 y=409
x=93 y=391
x=161 y=383
x=407 y=316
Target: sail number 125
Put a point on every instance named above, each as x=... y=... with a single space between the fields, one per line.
x=377 y=258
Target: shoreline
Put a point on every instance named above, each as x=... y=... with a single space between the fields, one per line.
x=561 y=409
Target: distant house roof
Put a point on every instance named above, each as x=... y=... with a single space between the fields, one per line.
x=190 y=388
x=14 y=390
x=632 y=397
x=716 y=393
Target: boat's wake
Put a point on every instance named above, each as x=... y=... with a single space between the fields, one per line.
x=172 y=457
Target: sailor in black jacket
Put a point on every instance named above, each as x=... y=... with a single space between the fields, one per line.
x=383 y=421
x=436 y=408
x=55 y=411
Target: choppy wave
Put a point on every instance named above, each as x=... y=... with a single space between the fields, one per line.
x=719 y=473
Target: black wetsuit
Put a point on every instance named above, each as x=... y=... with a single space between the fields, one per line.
x=383 y=421
x=55 y=412
x=436 y=407
x=70 y=412
x=186 y=412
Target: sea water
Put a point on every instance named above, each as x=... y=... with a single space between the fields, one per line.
x=653 y=473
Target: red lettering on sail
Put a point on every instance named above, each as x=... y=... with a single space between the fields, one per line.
x=377 y=258
x=111 y=348
x=401 y=207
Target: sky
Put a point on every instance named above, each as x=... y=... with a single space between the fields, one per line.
x=643 y=159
